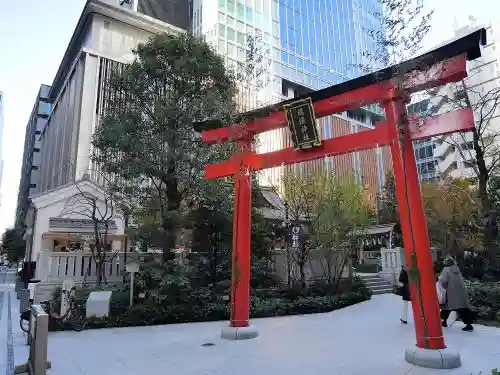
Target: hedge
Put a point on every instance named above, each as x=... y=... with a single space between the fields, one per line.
x=199 y=310
x=485 y=300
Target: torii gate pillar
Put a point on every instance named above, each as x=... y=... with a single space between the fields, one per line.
x=430 y=349
x=239 y=327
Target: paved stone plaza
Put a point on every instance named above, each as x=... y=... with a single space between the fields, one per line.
x=363 y=339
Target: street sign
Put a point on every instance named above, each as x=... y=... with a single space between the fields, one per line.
x=302 y=123
x=295 y=237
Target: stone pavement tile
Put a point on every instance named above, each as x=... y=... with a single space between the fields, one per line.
x=363 y=339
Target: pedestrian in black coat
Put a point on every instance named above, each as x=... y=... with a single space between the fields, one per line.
x=404 y=291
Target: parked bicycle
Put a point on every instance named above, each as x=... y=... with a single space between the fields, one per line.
x=73 y=317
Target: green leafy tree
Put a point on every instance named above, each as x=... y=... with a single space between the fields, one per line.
x=146 y=137
x=337 y=212
x=341 y=216
x=387 y=202
x=13 y=245
x=452 y=210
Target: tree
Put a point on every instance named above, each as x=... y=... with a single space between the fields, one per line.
x=301 y=194
x=452 y=210
x=146 y=136
x=101 y=207
x=337 y=213
x=211 y=233
x=13 y=245
x=388 y=211
x=398 y=35
x=338 y=225
x=481 y=151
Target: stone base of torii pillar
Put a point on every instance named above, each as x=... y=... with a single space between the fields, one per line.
x=433 y=358
x=239 y=333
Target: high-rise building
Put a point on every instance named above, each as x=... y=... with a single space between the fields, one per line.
x=424 y=149
x=307 y=45
x=453 y=155
x=109 y=29
x=103 y=39
x=30 y=172
x=173 y=12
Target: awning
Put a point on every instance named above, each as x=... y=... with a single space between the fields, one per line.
x=375 y=230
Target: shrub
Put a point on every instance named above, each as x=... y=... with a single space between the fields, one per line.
x=204 y=306
x=484 y=294
x=485 y=300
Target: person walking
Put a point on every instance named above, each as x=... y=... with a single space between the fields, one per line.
x=404 y=291
x=456 y=295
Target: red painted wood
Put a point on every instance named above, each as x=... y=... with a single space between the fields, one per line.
x=381 y=135
x=460 y=120
x=428 y=330
x=447 y=71
x=240 y=276
x=441 y=73
x=335 y=104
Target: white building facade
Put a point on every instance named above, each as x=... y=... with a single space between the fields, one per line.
x=454 y=154
x=104 y=37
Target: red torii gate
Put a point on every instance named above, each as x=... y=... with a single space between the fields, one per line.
x=390 y=88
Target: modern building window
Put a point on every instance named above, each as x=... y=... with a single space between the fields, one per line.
x=274 y=10
x=250 y=16
x=221 y=46
x=240 y=11
x=222 y=30
x=231 y=34
x=467 y=146
x=241 y=38
x=231 y=6
x=231 y=50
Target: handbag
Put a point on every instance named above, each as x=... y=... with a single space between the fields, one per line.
x=399 y=289
x=441 y=293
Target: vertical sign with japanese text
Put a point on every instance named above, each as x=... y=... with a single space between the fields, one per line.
x=295 y=234
x=302 y=123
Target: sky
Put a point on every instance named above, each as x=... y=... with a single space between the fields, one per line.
x=34 y=35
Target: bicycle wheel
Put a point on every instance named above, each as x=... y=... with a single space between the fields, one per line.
x=25 y=325
x=78 y=319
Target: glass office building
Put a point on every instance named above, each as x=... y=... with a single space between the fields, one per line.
x=322 y=41
x=308 y=45
x=314 y=43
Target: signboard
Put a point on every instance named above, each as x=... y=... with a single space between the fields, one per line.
x=302 y=123
x=132 y=267
x=295 y=233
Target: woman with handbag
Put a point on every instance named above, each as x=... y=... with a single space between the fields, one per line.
x=404 y=292
x=456 y=295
